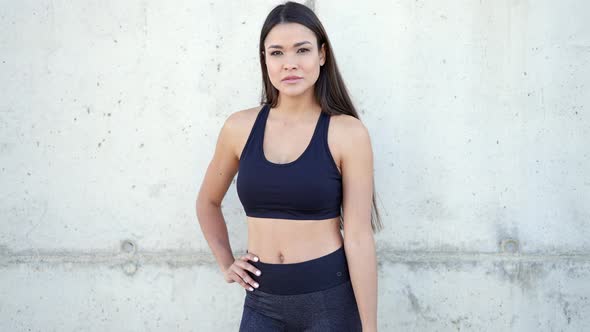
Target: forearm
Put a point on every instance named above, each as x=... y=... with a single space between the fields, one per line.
x=215 y=231
x=362 y=263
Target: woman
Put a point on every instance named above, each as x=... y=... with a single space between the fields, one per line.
x=305 y=172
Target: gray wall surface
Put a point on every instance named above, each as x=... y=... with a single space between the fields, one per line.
x=479 y=118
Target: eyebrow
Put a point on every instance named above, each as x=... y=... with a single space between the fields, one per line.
x=294 y=45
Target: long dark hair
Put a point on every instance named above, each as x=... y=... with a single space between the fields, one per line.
x=330 y=91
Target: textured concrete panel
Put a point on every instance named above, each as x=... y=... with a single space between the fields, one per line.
x=66 y=297
x=110 y=111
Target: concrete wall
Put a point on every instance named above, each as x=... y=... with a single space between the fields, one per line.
x=110 y=110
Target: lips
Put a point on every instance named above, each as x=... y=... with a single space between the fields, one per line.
x=292 y=78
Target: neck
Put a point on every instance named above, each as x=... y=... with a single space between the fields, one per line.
x=297 y=106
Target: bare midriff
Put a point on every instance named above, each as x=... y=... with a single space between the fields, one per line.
x=285 y=241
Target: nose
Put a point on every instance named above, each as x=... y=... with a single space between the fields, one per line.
x=289 y=66
x=290 y=62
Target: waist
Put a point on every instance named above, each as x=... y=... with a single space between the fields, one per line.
x=289 y=241
x=302 y=277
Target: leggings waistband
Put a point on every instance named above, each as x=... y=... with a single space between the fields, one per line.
x=304 y=277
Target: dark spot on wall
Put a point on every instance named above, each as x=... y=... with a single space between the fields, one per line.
x=509 y=246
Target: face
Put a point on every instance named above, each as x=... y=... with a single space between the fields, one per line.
x=290 y=49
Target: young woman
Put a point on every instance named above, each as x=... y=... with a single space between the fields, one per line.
x=305 y=173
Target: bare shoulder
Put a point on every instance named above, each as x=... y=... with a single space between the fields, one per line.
x=347 y=129
x=240 y=120
x=238 y=126
x=348 y=138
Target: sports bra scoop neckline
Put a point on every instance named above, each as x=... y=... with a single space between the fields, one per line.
x=309 y=144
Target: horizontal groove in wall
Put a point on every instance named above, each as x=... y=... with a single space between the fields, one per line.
x=183 y=258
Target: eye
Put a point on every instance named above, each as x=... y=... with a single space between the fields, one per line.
x=301 y=49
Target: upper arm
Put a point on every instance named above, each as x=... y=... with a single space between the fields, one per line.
x=357 y=176
x=223 y=166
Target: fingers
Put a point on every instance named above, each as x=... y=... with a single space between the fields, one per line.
x=240 y=268
x=249 y=256
x=244 y=275
x=248 y=266
x=240 y=279
x=245 y=280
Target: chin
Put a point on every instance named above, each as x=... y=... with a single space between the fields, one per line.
x=292 y=91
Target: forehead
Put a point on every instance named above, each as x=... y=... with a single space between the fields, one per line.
x=287 y=34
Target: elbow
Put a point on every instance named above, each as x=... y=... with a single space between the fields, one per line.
x=203 y=201
x=200 y=206
x=203 y=206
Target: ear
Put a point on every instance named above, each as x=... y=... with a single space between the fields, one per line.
x=323 y=54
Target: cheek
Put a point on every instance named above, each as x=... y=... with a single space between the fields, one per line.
x=311 y=65
x=274 y=69
x=312 y=69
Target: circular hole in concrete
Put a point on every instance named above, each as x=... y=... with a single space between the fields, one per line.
x=509 y=245
x=128 y=246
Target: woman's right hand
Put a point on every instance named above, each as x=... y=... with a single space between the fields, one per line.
x=237 y=272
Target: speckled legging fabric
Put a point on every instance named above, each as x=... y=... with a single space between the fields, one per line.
x=314 y=295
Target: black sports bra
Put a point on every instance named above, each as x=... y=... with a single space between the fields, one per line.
x=310 y=187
